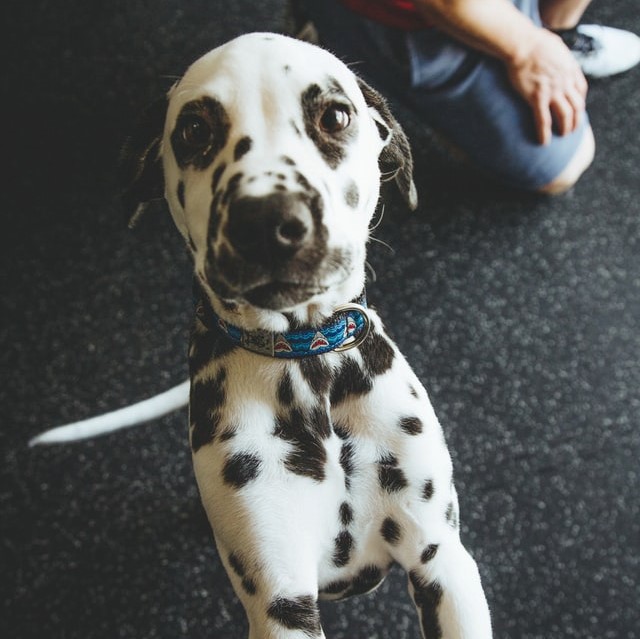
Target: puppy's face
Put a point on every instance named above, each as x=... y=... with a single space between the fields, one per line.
x=271 y=156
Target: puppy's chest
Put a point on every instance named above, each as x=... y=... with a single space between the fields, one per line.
x=310 y=422
x=324 y=414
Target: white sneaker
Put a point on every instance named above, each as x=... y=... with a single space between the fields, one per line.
x=602 y=51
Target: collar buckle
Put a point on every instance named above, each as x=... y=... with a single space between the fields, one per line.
x=353 y=342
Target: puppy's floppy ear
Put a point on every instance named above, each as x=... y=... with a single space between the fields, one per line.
x=395 y=158
x=141 y=176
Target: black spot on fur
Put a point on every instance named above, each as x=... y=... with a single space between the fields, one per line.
x=346 y=514
x=377 y=354
x=240 y=469
x=367 y=579
x=340 y=430
x=349 y=381
x=215 y=219
x=217 y=174
x=297 y=613
x=314 y=101
x=287 y=160
x=391 y=478
x=234 y=180
x=285 y=390
x=305 y=431
x=347 y=454
x=249 y=586
x=413 y=391
x=296 y=128
x=427 y=490
x=180 y=193
x=205 y=400
x=213 y=117
x=352 y=195
x=206 y=347
x=429 y=553
x=321 y=422
x=236 y=564
x=232 y=187
x=411 y=425
x=311 y=101
x=316 y=373
x=427 y=596
x=242 y=147
x=343 y=547
x=302 y=181
x=225 y=262
x=391 y=531
x=287 y=68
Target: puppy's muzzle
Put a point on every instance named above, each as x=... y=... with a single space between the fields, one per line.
x=277 y=250
x=270 y=230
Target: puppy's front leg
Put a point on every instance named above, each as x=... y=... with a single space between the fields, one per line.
x=269 y=518
x=417 y=499
x=274 y=611
x=448 y=595
x=276 y=582
x=272 y=565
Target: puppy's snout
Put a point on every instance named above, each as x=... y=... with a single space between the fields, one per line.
x=270 y=228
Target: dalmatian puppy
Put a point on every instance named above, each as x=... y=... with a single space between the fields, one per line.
x=318 y=456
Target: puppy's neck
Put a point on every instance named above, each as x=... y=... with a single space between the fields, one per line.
x=309 y=314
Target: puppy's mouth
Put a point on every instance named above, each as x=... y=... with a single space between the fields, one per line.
x=277 y=296
x=299 y=282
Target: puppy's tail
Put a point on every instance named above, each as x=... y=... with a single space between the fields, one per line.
x=139 y=413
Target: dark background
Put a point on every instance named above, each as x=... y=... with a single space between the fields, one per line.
x=520 y=314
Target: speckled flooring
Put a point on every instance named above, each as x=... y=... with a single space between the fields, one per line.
x=521 y=315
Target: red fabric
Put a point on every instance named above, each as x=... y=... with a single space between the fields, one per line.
x=401 y=14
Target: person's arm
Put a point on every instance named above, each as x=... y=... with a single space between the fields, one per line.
x=540 y=67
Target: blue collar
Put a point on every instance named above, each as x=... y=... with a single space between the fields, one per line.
x=347 y=328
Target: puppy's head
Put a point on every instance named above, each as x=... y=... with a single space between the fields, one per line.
x=270 y=154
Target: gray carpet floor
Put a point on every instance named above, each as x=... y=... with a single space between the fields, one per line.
x=520 y=314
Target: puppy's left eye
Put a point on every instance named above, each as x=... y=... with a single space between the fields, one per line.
x=195 y=131
x=335 y=118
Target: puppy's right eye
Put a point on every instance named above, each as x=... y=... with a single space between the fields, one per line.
x=195 y=132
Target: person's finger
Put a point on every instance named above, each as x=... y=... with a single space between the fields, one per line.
x=542 y=116
x=562 y=113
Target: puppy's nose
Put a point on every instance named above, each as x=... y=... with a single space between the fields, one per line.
x=270 y=228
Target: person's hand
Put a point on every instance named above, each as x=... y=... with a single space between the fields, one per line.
x=549 y=78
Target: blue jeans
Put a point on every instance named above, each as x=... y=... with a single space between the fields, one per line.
x=458 y=91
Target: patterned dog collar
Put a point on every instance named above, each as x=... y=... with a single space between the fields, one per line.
x=347 y=328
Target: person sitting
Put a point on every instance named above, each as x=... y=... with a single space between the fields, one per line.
x=501 y=80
